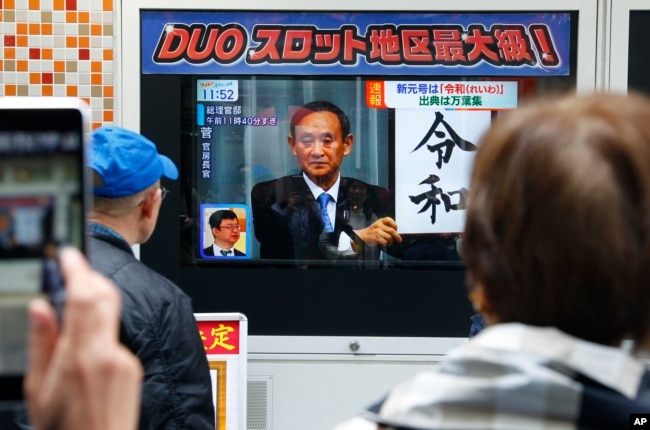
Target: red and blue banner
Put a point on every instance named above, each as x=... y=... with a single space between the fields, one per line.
x=370 y=44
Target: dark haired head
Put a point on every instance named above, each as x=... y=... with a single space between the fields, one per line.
x=320 y=106
x=558 y=217
x=220 y=215
x=367 y=193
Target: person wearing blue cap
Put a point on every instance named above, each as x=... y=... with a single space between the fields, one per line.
x=157 y=321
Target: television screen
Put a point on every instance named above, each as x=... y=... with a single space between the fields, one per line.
x=266 y=155
x=324 y=165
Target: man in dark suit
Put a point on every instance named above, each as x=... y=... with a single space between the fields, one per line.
x=300 y=217
x=225 y=228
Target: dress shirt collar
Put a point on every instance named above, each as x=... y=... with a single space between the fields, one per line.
x=317 y=191
x=217 y=250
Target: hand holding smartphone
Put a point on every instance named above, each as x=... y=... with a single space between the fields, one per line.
x=43 y=202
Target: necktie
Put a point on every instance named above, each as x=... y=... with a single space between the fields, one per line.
x=323 y=200
x=225 y=253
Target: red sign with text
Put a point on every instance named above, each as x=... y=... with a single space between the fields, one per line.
x=220 y=337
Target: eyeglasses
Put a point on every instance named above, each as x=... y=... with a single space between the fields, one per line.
x=231 y=227
x=163 y=192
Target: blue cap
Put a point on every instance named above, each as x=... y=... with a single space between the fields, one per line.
x=127 y=162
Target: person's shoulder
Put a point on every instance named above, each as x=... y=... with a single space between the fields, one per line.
x=138 y=280
x=108 y=255
x=148 y=294
x=163 y=281
x=238 y=253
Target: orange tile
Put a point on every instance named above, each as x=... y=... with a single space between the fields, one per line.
x=22 y=40
x=47 y=90
x=34 y=28
x=107 y=5
x=9 y=4
x=1 y=66
x=34 y=78
x=84 y=42
x=10 y=53
x=87 y=100
x=21 y=28
x=59 y=66
x=34 y=4
x=71 y=41
x=1 y=18
x=96 y=66
x=84 y=17
x=95 y=29
x=10 y=90
x=71 y=91
x=71 y=17
x=108 y=115
x=22 y=66
x=96 y=79
x=95 y=125
x=46 y=53
x=108 y=91
x=46 y=28
x=59 y=5
x=108 y=54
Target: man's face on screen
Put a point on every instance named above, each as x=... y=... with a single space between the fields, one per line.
x=320 y=147
x=227 y=234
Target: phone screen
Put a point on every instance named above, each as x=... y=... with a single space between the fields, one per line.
x=42 y=207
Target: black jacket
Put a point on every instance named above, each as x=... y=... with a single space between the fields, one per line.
x=294 y=231
x=158 y=325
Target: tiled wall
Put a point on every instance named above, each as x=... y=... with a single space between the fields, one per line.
x=59 y=48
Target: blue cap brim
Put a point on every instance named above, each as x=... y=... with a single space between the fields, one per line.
x=169 y=168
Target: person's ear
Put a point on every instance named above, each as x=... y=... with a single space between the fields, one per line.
x=148 y=204
x=292 y=144
x=348 y=142
x=481 y=303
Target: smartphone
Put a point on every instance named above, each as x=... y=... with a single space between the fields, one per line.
x=43 y=200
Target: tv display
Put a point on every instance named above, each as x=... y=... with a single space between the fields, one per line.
x=242 y=101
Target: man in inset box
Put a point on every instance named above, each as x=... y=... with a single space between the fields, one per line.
x=225 y=229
